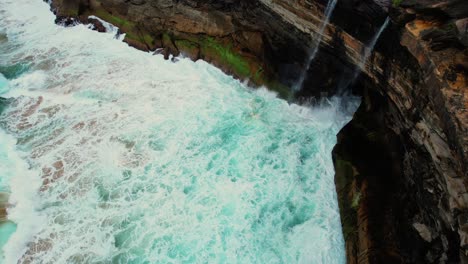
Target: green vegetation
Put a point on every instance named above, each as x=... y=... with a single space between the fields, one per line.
x=70 y=12
x=115 y=20
x=166 y=38
x=221 y=53
x=190 y=48
x=129 y=28
x=185 y=44
x=242 y=66
x=348 y=197
x=396 y=3
x=145 y=38
x=209 y=48
x=226 y=56
x=450 y=27
x=356 y=200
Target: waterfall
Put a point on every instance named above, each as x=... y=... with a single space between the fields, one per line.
x=371 y=46
x=328 y=12
x=367 y=53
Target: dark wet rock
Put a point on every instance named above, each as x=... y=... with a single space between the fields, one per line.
x=3 y=104
x=446 y=8
x=13 y=71
x=137 y=2
x=97 y=25
x=442 y=38
x=3 y=204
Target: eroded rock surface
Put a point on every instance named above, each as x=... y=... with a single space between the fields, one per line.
x=403 y=159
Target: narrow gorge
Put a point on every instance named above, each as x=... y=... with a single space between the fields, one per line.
x=400 y=164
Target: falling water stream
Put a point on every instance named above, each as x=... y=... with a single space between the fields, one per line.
x=365 y=56
x=112 y=155
x=370 y=47
x=326 y=19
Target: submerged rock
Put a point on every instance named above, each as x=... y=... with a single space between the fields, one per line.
x=3 y=103
x=97 y=25
x=13 y=71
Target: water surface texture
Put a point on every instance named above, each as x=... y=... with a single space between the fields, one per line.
x=113 y=155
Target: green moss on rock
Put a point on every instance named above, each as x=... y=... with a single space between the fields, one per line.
x=396 y=3
x=145 y=39
x=69 y=12
x=225 y=55
x=114 y=20
x=188 y=48
x=133 y=34
x=220 y=52
x=348 y=198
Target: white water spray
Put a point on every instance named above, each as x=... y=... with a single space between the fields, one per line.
x=328 y=12
x=110 y=28
x=135 y=159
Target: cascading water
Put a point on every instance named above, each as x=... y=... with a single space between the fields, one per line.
x=328 y=12
x=365 y=56
x=118 y=156
x=370 y=48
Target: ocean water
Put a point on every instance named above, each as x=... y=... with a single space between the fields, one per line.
x=113 y=155
x=3 y=84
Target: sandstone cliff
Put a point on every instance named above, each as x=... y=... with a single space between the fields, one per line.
x=402 y=163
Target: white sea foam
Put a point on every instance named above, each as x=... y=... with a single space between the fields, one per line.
x=111 y=29
x=17 y=179
x=134 y=159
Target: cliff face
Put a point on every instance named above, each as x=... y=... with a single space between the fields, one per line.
x=402 y=163
x=241 y=37
x=262 y=41
x=403 y=159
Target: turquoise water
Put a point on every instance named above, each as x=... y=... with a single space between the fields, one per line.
x=7 y=171
x=12 y=71
x=10 y=166
x=119 y=156
x=3 y=84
